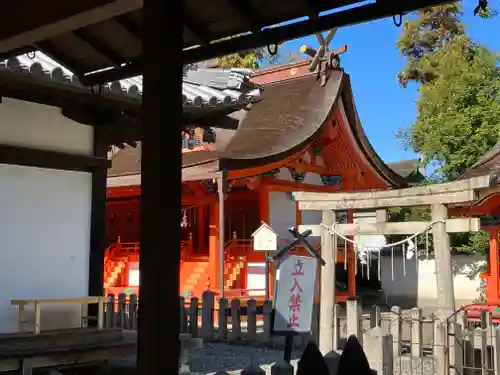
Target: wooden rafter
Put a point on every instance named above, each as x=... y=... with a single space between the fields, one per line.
x=39 y=24
x=129 y=26
x=73 y=65
x=270 y=36
x=202 y=33
x=99 y=47
x=248 y=14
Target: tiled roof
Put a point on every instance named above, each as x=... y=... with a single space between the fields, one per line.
x=406 y=167
x=489 y=163
x=201 y=88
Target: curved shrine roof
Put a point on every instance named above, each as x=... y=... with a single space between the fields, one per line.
x=290 y=114
x=489 y=163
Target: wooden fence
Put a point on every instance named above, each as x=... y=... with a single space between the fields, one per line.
x=391 y=338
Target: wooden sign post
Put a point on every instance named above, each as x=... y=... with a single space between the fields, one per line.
x=294 y=293
x=265 y=239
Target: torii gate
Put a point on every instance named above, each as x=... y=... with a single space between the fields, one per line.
x=437 y=196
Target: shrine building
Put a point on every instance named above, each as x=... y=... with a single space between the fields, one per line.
x=286 y=132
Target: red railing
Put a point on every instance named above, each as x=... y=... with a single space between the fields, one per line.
x=122 y=249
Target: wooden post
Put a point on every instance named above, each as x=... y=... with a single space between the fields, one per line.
x=207 y=315
x=159 y=269
x=98 y=221
x=396 y=329
x=327 y=291
x=442 y=253
x=416 y=332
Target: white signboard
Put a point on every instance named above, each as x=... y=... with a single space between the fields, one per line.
x=265 y=239
x=294 y=294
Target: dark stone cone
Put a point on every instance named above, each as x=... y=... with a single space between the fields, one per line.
x=312 y=361
x=353 y=360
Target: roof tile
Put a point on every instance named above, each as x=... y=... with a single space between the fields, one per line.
x=201 y=88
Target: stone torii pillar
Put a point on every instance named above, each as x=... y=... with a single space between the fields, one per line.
x=327 y=288
x=442 y=259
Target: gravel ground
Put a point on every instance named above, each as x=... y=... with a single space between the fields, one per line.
x=215 y=357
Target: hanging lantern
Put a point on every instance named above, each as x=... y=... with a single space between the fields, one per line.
x=330 y=180
x=210 y=185
x=296 y=175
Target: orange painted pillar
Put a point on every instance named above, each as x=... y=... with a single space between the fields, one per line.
x=264 y=206
x=213 y=247
x=492 y=286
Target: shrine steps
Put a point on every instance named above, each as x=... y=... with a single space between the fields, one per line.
x=193 y=278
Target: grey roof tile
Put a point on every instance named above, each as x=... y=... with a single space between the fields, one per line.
x=201 y=88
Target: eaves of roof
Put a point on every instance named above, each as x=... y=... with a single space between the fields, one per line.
x=202 y=89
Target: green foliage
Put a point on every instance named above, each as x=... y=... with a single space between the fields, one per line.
x=472 y=243
x=458 y=118
x=423 y=36
x=399 y=214
x=251 y=59
x=459 y=104
x=459 y=111
x=488 y=13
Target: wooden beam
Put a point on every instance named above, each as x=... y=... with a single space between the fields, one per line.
x=411 y=201
x=99 y=47
x=40 y=24
x=458 y=225
x=248 y=14
x=202 y=34
x=30 y=157
x=129 y=26
x=449 y=187
x=97 y=222
x=273 y=35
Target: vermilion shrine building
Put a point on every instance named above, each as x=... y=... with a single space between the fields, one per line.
x=286 y=132
x=101 y=41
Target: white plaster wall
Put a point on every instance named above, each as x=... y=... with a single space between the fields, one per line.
x=42 y=127
x=418 y=283
x=44 y=229
x=256 y=279
x=44 y=215
x=281 y=214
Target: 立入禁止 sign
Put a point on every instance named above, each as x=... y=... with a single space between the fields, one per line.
x=295 y=294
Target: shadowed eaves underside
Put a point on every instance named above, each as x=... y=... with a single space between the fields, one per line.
x=101 y=40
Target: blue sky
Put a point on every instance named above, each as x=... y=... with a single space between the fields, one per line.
x=372 y=61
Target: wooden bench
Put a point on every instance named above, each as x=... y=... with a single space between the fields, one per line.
x=27 y=351
x=84 y=302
